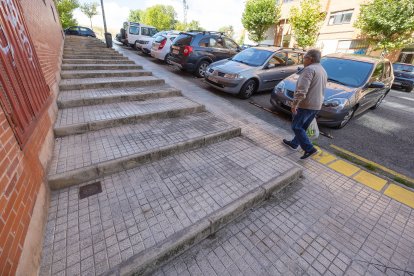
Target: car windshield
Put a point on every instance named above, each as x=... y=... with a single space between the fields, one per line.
x=347 y=72
x=183 y=40
x=159 y=39
x=252 y=56
x=403 y=67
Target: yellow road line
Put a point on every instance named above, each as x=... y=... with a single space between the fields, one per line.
x=370 y=180
x=400 y=194
x=373 y=163
x=344 y=168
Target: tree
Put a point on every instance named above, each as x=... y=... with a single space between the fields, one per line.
x=193 y=25
x=241 y=39
x=65 y=10
x=258 y=17
x=135 y=15
x=227 y=30
x=387 y=24
x=306 y=22
x=161 y=17
x=90 y=10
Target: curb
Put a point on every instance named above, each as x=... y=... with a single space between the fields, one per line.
x=148 y=260
x=78 y=176
x=97 y=125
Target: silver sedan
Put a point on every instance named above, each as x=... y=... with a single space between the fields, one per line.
x=254 y=69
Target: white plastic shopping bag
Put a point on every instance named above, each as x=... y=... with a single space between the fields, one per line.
x=313 y=130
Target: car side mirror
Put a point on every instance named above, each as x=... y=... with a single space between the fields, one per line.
x=376 y=84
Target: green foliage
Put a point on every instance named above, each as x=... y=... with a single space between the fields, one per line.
x=90 y=10
x=387 y=24
x=193 y=25
x=241 y=39
x=65 y=10
x=161 y=17
x=259 y=16
x=306 y=22
x=227 y=30
x=135 y=15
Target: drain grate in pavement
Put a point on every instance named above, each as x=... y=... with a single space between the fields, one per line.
x=90 y=189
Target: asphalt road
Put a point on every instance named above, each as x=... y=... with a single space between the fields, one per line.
x=384 y=135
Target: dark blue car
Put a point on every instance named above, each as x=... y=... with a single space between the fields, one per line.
x=404 y=76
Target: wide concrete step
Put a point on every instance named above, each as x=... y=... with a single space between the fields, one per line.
x=98 y=67
x=85 y=74
x=89 y=118
x=97 y=61
x=90 y=51
x=114 y=82
x=152 y=213
x=76 y=98
x=80 y=158
x=103 y=56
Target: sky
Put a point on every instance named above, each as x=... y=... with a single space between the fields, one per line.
x=212 y=14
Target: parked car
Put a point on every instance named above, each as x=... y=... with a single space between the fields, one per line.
x=355 y=84
x=80 y=31
x=195 y=50
x=404 y=76
x=161 y=47
x=145 y=43
x=136 y=31
x=254 y=69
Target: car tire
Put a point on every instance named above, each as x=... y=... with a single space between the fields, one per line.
x=248 y=89
x=166 y=58
x=201 y=68
x=379 y=101
x=347 y=118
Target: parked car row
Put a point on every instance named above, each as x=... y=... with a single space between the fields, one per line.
x=355 y=82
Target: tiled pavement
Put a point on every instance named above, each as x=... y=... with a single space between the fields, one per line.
x=329 y=224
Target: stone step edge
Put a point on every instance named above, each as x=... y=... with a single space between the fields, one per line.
x=147 y=261
x=109 y=84
x=101 y=124
x=89 y=67
x=92 y=74
x=117 y=98
x=78 y=176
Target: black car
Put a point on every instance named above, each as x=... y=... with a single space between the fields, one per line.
x=80 y=31
x=404 y=76
x=193 y=51
x=356 y=83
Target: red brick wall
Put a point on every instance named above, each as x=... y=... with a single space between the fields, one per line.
x=21 y=170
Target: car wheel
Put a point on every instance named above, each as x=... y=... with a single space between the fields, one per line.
x=347 y=118
x=201 y=68
x=379 y=101
x=167 y=58
x=248 y=89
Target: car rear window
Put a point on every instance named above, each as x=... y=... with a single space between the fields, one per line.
x=403 y=67
x=348 y=72
x=159 y=38
x=183 y=40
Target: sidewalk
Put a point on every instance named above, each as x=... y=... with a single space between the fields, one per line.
x=328 y=224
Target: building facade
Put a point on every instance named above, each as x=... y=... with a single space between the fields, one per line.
x=31 y=43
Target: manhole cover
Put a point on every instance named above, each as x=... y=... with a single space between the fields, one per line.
x=90 y=189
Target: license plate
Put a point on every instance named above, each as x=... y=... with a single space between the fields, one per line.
x=175 y=52
x=213 y=79
x=288 y=103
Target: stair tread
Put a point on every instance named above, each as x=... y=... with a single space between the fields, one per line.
x=87 y=149
x=73 y=95
x=99 y=65
x=88 y=114
x=70 y=72
x=105 y=80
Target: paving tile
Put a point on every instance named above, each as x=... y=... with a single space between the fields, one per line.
x=400 y=194
x=344 y=168
x=370 y=180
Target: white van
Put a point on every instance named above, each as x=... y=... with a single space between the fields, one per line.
x=136 y=31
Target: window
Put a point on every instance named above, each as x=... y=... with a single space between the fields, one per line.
x=278 y=59
x=134 y=30
x=148 y=31
x=231 y=44
x=343 y=17
x=377 y=75
x=205 y=42
x=294 y=58
x=216 y=43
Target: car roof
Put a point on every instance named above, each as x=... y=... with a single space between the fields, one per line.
x=356 y=57
x=275 y=49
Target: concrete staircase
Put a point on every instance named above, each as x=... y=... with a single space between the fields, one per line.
x=171 y=172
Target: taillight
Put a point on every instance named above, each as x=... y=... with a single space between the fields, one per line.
x=187 y=50
x=162 y=44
